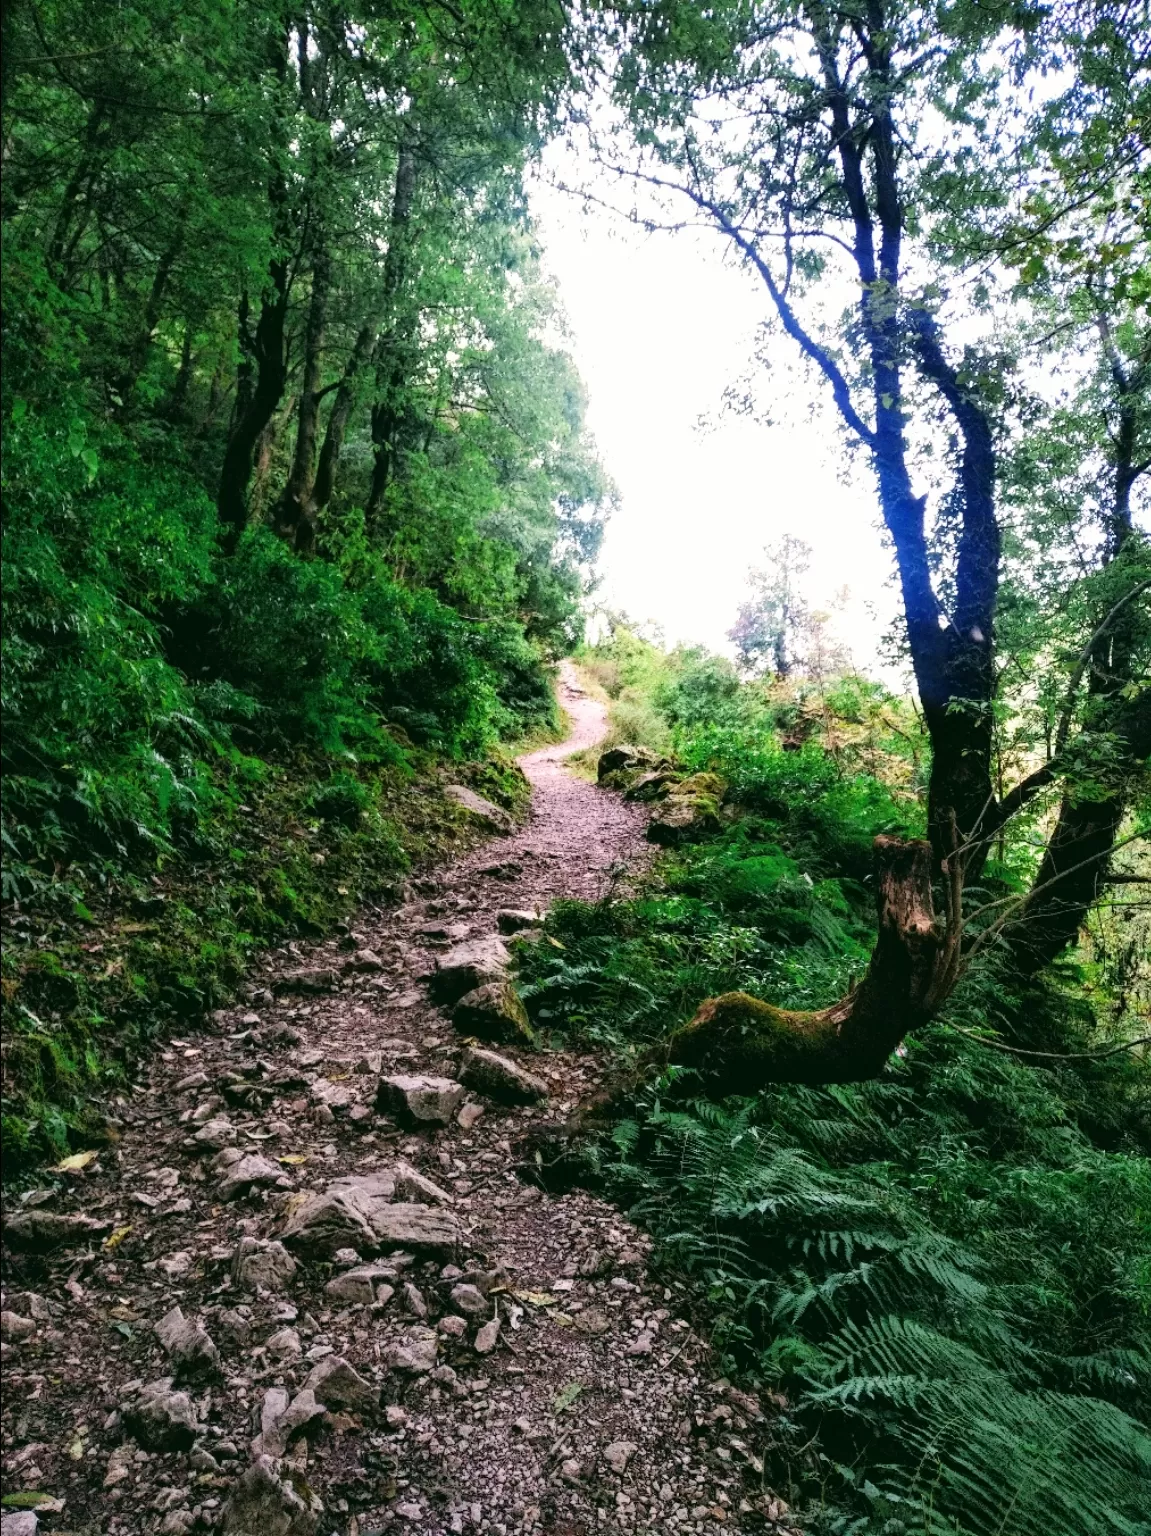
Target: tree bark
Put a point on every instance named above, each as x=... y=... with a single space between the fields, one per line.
x=269 y=366
x=740 y=1044
x=64 y=235
x=391 y=350
x=153 y=309
x=951 y=657
x=178 y=400
x=296 y=511
x=266 y=359
x=341 y=414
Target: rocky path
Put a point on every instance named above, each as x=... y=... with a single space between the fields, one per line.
x=305 y=1293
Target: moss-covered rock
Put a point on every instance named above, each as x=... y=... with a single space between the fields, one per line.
x=655 y=785
x=494 y=1012
x=690 y=811
x=627 y=758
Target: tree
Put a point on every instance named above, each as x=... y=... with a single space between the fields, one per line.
x=768 y=627
x=865 y=142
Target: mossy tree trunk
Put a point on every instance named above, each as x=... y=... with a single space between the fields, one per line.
x=740 y=1044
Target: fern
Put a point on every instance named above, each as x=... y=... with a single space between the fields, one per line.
x=942 y=1270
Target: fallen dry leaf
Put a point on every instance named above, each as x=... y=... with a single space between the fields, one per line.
x=77 y=1162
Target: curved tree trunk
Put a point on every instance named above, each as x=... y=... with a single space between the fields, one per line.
x=740 y=1044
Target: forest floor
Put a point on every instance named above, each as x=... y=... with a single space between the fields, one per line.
x=516 y=1367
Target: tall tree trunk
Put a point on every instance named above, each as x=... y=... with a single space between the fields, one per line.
x=153 y=309
x=739 y=1041
x=391 y=351
x=178 y=400
x=269 y=366
x=71 y=218
x=951 y=655
x=264 y=351
x=341 y=414
x=295 y=513
x=1074 y=868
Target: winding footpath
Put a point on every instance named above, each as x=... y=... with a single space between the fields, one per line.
x=274 y=1308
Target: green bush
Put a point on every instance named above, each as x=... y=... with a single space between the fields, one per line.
x=104 y=742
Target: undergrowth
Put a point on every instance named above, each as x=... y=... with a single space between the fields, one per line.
x=940 y=1278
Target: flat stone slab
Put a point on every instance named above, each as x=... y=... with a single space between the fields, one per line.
x=361 y=1286
x=251 y=1172
x=354 y=1214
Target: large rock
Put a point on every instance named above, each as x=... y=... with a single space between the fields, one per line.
x=321 y=1224
x=419 y=1100
x=467 y=966
x=338 y=1097
x=280 y=1419
x=214 y=1136
x=469 y=1299
x=493 y=1012
x=364 y=960
x=517 y=919
x=262 y=1505
x=500 y=1079
x=241 y=1176
x=262 y=1266
x=413 y=1185
x=337 y=1384
x=655 y=785
x=354 y=1214
x=414 y=1354
x=498 y=820
x=421 y=1228
x=361 y=1286
x=188 y=1345
x=41 y=1231
x=161 y=1419
x=487 y=1337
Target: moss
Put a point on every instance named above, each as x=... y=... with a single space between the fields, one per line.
x=740 y=1042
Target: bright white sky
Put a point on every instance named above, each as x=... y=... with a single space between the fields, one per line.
x=660 y=326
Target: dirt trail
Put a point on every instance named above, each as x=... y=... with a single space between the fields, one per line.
x=540 y=1381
